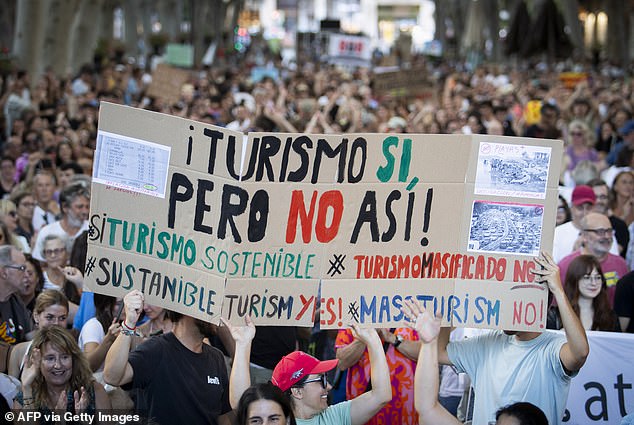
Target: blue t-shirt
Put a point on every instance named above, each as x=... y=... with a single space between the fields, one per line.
x=505 y=370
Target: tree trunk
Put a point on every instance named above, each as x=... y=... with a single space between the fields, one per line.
x=440 y=16
x=8 y=12
x=106 y=23
x=570 y=12
x=86 y=32
x=170 y=16
x=200 y=24
x=29 y=35
x=131 y=12
x=618 y=36
x=57 y=48
x=492 y=13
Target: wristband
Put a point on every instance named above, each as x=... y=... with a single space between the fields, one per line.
x=129 y=332
x=125 y=326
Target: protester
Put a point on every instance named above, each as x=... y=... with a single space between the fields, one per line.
x=57 y=376
x=622 y=197
x=25 y=207
x=563 y=211
x=264 y=404
x=15 y=321
x=596 y=240
x=98 y=334
x=194 y=372
x=401 y=347
x=538 y=367
x=57 y=273
x=602 y=193
x=33 y=282
x=51 y=308
x=303 y=380
x=9 y=219
x=429 y=409
x=586 y=288
x=46 y=209
x=75 y=204
x=624 y=302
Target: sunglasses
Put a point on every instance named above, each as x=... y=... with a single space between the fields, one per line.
x=323 y=379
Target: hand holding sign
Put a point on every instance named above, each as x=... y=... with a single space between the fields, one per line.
x=549 y=273
x=241 y=334
x=133 y=303
x=426 y=325
x=365 y=335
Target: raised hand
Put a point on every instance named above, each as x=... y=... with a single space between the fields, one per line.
x=133 y=302
x=365 y=335
x=113 y=331
x=32 y=367
x=547 y=272
x=422 y=321
x=73 y=275
x=241 y=334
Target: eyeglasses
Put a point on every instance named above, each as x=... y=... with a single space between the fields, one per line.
x=18 y=267
x=592 y=278
x=600 y=232
x=12 y=214
x=52 y=252
x=323 y=379
x=576 y=134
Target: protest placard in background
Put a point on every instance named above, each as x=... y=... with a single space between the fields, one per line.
x=167 y=82
x=431 y=215
x=405 y=82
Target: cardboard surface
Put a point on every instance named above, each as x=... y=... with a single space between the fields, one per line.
x=167 y=82
x=368 y=214
x=408 y=82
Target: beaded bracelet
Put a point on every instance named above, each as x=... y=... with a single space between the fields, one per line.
x=125 y=326
x=129 y=332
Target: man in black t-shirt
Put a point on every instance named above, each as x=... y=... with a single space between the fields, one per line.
x=184 y=380
x=15 y=321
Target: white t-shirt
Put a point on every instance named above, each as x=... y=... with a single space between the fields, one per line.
x=92 y=331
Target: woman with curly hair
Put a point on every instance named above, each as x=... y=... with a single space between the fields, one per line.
x=57 y=376
x=587 y=291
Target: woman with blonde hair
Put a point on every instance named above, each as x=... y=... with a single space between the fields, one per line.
x=9 y=217
x=51 y=308
x=580 y=146
x=57 y=376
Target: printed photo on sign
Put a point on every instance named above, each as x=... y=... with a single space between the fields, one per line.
x=512 y=170
x=132 y=164
x=505 y=228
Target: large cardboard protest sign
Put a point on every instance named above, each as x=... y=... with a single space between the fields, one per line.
x=204 y=222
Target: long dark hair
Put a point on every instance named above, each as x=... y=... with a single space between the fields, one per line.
x=603 y=317
x=525 y=413
x=264 y=391
x=104 y=305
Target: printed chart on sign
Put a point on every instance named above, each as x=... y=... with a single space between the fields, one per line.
x=132 y=164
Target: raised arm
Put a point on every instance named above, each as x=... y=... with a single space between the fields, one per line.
x=117 y=370
x=240 y=378
x=574 y=352
x=350 y=354
x=368 y=404
x=426 y=381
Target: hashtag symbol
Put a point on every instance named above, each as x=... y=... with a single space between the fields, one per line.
x=90 y=265
x=91 y=231
x=353 y=310
x=336 y=265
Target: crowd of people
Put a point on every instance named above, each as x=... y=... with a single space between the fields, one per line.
x=81 y=352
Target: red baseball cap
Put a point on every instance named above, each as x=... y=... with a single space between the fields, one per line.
x=582 y=194
x=295 y=366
